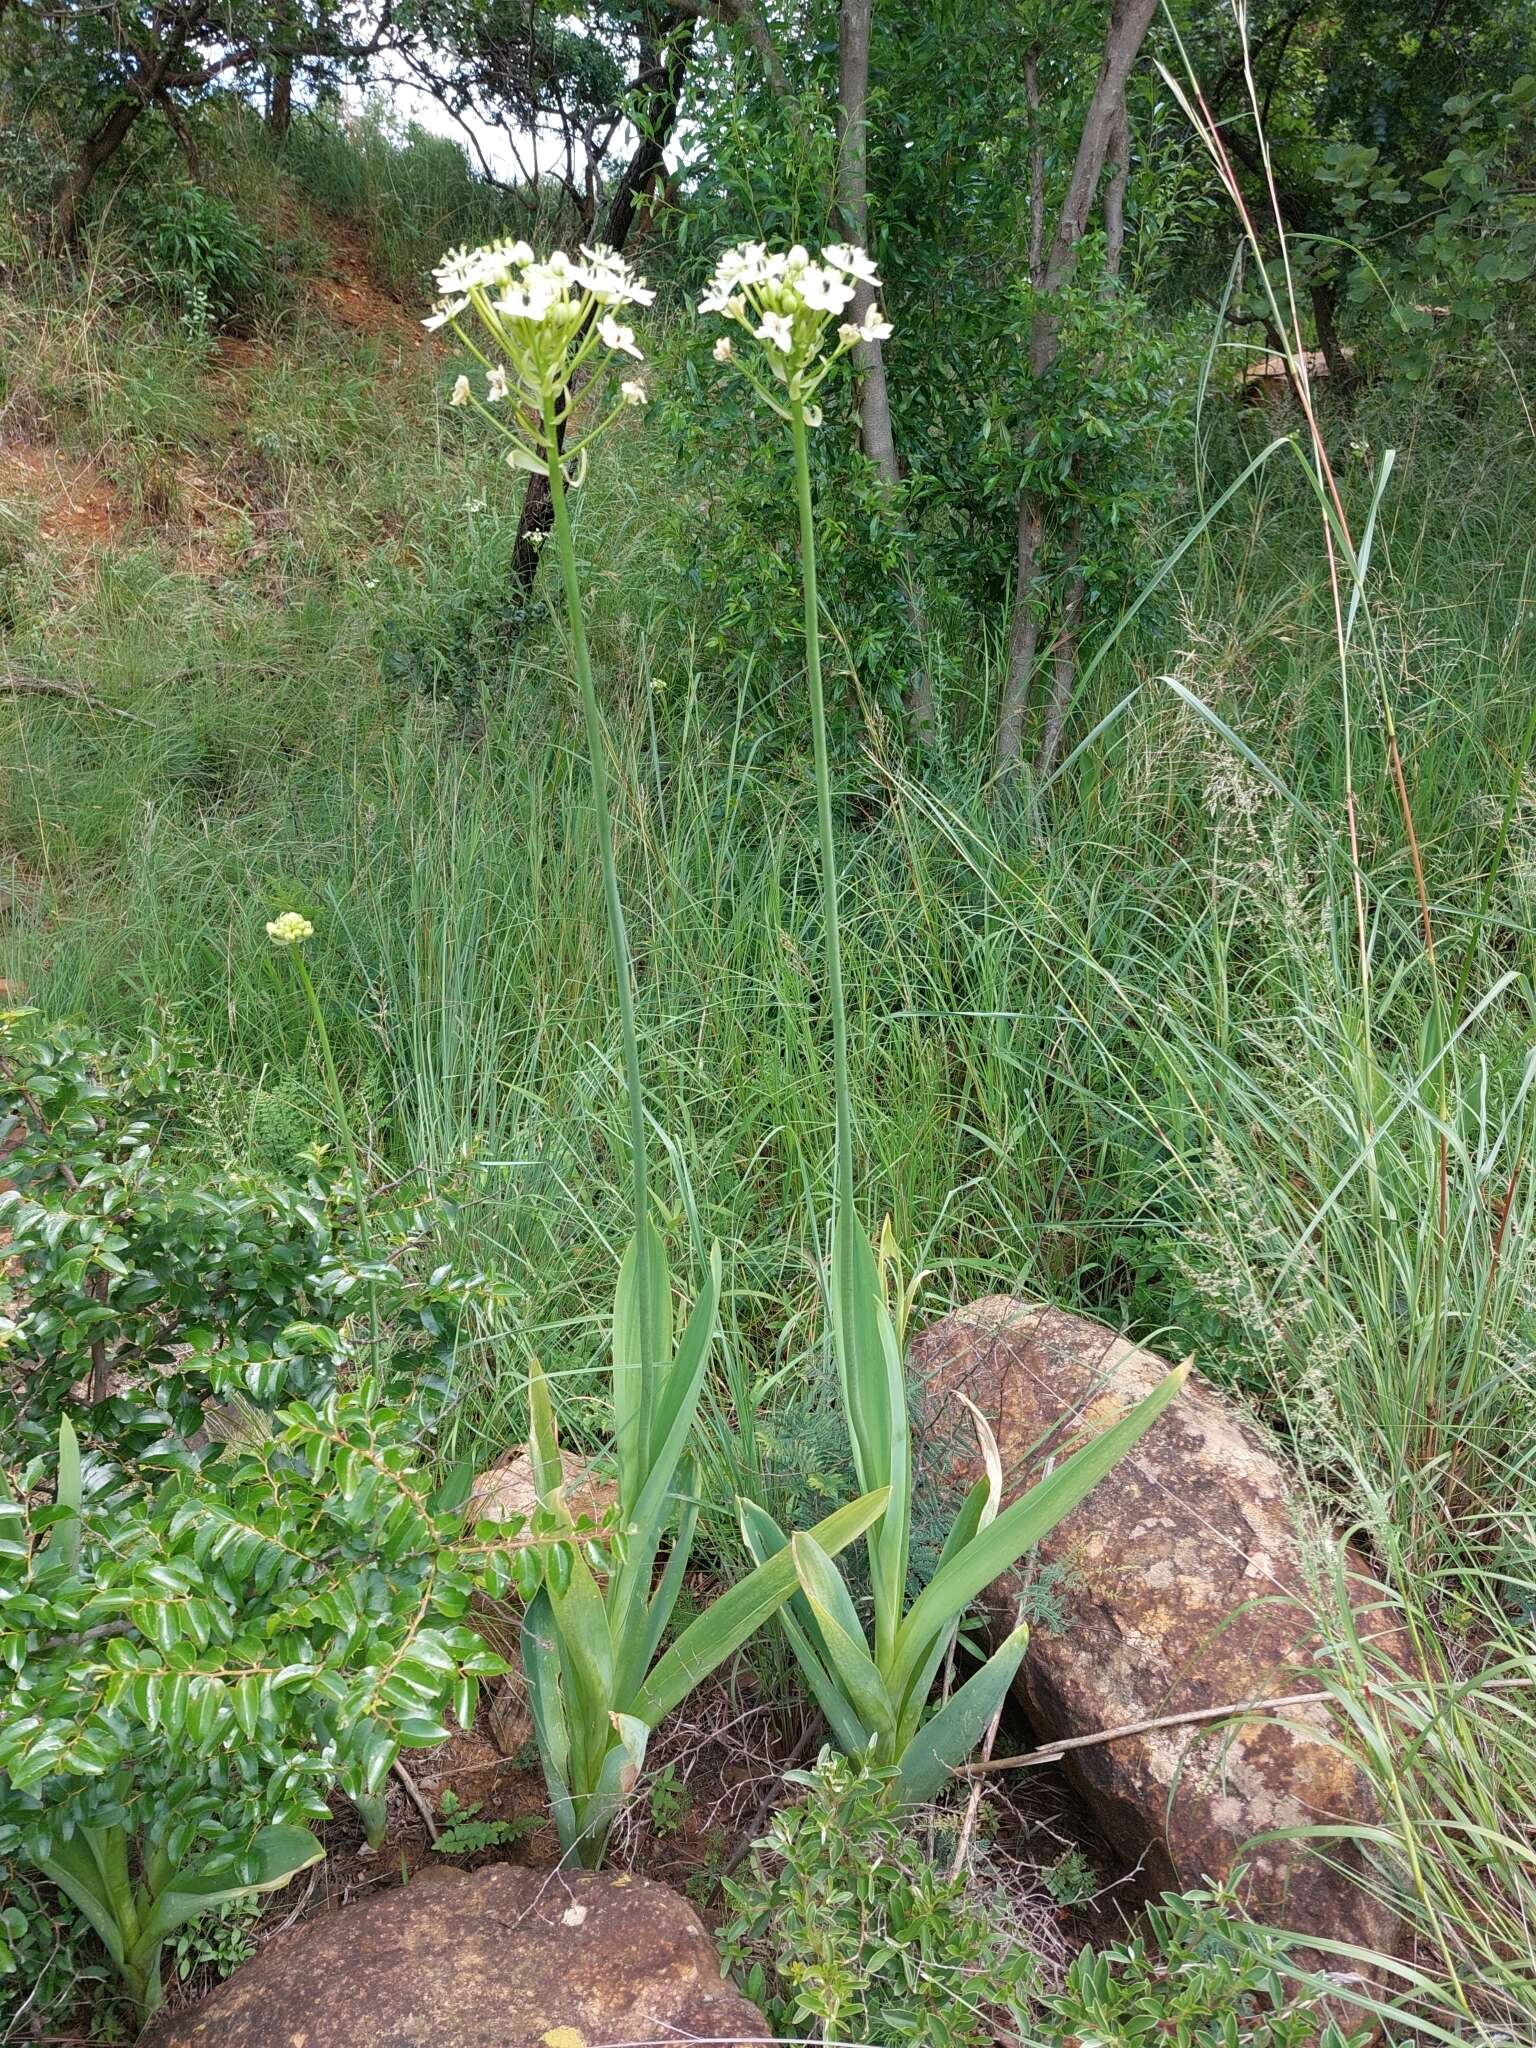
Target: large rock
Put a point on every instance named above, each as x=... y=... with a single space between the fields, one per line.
x=1185 y=1588
x=505 y=1958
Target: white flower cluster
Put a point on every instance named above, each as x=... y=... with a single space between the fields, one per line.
x=292 y=928
x=786 y=303
x=546 y=320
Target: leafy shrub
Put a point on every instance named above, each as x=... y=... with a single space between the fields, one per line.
x=209 y=265
x=844 y=1924
x=248 y=1588
x=1187 y=1984
x=174 y=1285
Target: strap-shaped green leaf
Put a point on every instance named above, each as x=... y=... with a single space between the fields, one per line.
x=875 y=1400
x=541 y=1668
x=949 y=1736
x=642 y=1347
x=64 y=1540
x=1019 y=1527
x=764 y=1539
x=73 y=1869
x=848 y=1655
x=276 y=1855
x=543 y=1441
x=738 y=1612
x=643 y=1631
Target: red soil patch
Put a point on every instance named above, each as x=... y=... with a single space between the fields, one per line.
x=76 y=501
x=352 y=299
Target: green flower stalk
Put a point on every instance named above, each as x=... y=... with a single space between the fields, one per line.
x=875 y=1694
x=551 y=331
x=289 y=931
x=599 y=1678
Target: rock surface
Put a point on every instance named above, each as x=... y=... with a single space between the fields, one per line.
x=1185 y=1588
x=505 y=1958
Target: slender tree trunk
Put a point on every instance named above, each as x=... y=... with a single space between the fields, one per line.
x=104 y=141
x=1119 y=161
x=99 y=147
x=1064 y=660
x=876 y=432
x=664 y=67
x=1129 y=21
x=1325 y=307
x=280 y=99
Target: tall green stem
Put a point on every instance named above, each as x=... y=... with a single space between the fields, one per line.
x=843 y=1219
x=348 y=1145
x=617 y=932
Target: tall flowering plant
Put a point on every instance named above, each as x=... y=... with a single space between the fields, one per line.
x=545 y=334
x=875 y=1692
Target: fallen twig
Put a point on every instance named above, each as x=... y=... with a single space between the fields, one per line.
x=74 y=693
x=1050 y=1751
x=414 y=1795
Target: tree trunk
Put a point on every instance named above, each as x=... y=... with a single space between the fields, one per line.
x=876 y=432
x=1129 y=21
x=104 y=141
x=1325 y=306
x=1064 y=661
x=665 y=75
x=280 y=99
x=99 y=147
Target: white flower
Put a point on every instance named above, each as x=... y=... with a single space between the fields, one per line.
x=291 y=929
x=620 y=339
x=823 y=290
x=876 y=327
x=632 y=391
x=775 y=329
x=441 y=314
x=724 y=349
x=611 y=281
x=849 y=335
x=853 y=261
x=496 y=384
x=460 y=392
x=812 y=415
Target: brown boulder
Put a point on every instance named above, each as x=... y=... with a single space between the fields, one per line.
x=1185 y=1588
x=503 y=1958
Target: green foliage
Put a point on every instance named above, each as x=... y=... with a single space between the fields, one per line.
x=843 y=1925
x=201 y=1646
x=204 y=260
x=466 y=1836
x=669 y=1800
x=217 y=1942
x=1070 y=1880
x=1187 y=1984
x=175 y=1285
x=1467 y=241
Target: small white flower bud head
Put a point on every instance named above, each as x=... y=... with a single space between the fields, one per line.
x=812 y=415
x=460 y=392
x=443 y=312
x=853 y=262
x=291 y=929
x=632 y=391
x=776 y=330
x=496 y=384
x=848 y=334
x=724 y=349
x=620 y=339
x=876 y=327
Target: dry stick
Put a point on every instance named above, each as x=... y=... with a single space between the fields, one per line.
x=414 y=1795
x=973 y=1803
x=1050 y=1752
x=54 y=686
